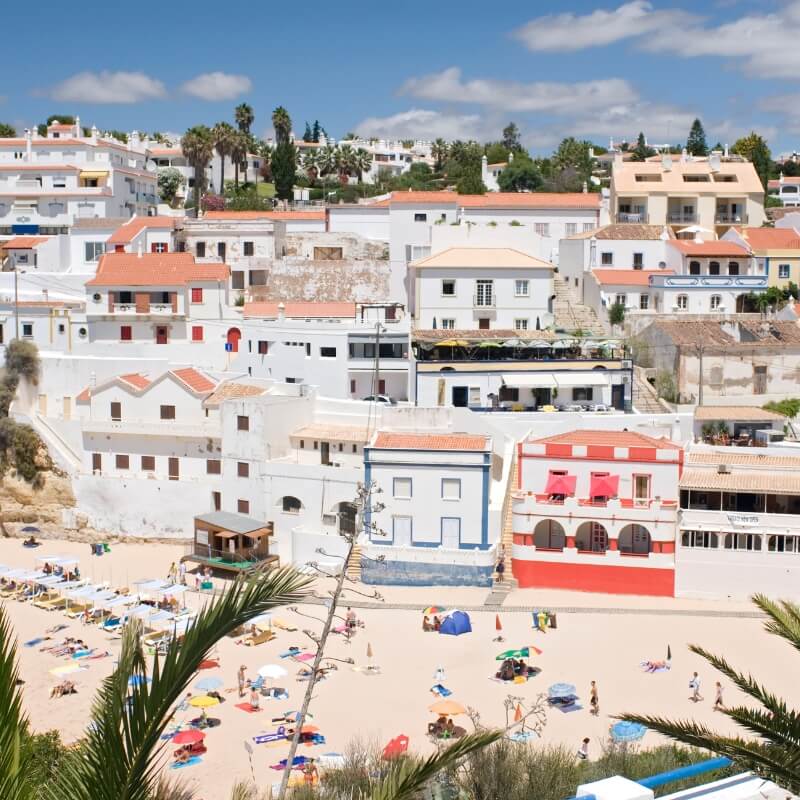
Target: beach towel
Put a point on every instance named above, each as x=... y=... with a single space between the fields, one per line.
x=82 y=654
x=522 y=736
x=190 y=763
x=306 y=657
x=264 y=738
x=665 y=668
x=34 y=642
x=570 y=708
x=247 y=708
x=440 y=690
x=291 y=652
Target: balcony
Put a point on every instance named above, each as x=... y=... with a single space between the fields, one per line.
x=204 y=429
x=727 y=218
x=626 y=217
x=681 y=217
x=160 y=309
x=744 y=283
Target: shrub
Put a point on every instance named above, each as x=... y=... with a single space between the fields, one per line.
x=789 y=407
x=22 y=359
x=212 y=202
x=665 y=386
x=616 y=314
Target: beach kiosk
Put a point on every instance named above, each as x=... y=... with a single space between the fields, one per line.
x=232 y=542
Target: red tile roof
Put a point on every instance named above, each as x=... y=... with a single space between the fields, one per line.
x=790 y=180
x=430 y=441
x=300 y=310
x=275 y=215
x=136 y=380
x=154 y=269
x=84 y=396
x=126 y=233
x=24 y=242
x=196 y=381
x=38 y=167
x=628 y=277
x=590 y=438
x=770 y=238
x=719 y=247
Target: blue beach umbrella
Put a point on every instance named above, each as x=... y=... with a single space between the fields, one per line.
x=209 y=684
x=137 y=680
x=561 y=690
x=627 y=731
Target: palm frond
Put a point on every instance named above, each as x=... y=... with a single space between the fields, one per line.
x=242 y=790
x=408 y=776
x=13 y=722
x=122 y=757
x=784 y=618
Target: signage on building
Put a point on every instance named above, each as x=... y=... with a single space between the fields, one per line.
x=743 y=520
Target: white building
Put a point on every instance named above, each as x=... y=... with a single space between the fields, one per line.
x=465 y=288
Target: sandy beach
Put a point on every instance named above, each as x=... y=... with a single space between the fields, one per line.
x=600 y=638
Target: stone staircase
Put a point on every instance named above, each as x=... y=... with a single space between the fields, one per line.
x=353 y=567
x=570 y=313
x=645 y=397
x=509 y=582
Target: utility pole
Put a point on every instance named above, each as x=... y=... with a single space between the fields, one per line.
x=16 y=301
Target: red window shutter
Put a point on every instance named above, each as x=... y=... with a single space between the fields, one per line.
x=111 y=298
x=381 y=386
x=154 y=247
x=197 y=333
x=197 y=294
x=142 y=302
x=126 y=333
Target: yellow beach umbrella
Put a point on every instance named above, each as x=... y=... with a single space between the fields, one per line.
x=203 y=701
x=447 y=708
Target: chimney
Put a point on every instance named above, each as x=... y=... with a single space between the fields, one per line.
x=484 y=168
x=685 y=156
x=726 y=153
x=139 y=250
x=715 y=160
x=77 y=127
x=45 y=295
x=781 y=178
x=281 y=312
x=95 y=132
x=666 y=161
x=28 y=145
x=585 y=188
x=134 y=141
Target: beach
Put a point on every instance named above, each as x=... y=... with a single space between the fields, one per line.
x=600 y=638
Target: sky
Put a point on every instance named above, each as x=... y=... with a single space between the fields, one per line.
x=455 y=68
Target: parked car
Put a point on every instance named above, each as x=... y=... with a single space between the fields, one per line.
x=380 y=398
x=599 y=407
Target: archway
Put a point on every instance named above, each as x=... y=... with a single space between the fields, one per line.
x=290 y=505
x=346 y=515
x=634 y=539
x=549 y=534
x=234 y=335
x=591 y=537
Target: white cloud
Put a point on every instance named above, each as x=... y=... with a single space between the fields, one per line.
x=217 y=86
x=560 y=32
x=512 y=96
x=418 y=123
x=108 y=87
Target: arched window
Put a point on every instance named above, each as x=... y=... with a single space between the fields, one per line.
x=549 y=534
x=682 y=302
x=290 y=505
x=694 y=267
x=592 y=537
x=733 y=268
x=634 y=539
x=716 y=302
x=713 y=267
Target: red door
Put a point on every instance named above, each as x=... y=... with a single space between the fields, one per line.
x=161 y=334
x=234 y=334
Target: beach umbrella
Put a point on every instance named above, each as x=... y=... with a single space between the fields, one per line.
x=30 y=529
x=518 y=713
x=434 y=610
x=138 y=680
x=627 y=731
x=561 y=690
x=171 y=591
x=208 y=663
x=522 y=653
x=272 y=671
x=498 y=626
x=309 y=729
x=203 y=701
x=209 y=684
x=396 y=747
x=191 y=736
x=447 y=708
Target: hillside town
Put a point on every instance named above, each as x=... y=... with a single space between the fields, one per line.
x=313 y=418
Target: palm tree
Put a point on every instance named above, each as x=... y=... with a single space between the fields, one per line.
x=198 y=148
x=311 y=162
x=362 y=161
x=775 y=752
x=282 y=123
x=223 y=142
x=244 y=117
x=439 y=152
x=328 y=159
x=345 y=162
x=240 y=147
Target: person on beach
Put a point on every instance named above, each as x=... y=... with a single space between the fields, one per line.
x=255 y=701
x=182 y=572
x=173 y=572
x=242 y=680
x=583 y=750
x=694 y=685
x=594 y=700
x=501 y=567
x=719 y=705
x=350 y=622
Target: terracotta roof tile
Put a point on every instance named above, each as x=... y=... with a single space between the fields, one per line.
x=501 y=199
x=39 y=168
x=771 y=238
x=774 y=333
x=769 y=482
x=718 y=247
x=742 y=457
x=482 y=257
x=475 y=334
x=196 y=381
x=316 y=214
x=154 y=269
x=300 y=310
x=600 y=438
x=628 y=277
x=737 y=413
x=84 y=396
x=430 y=441
x=126 y=233
x=355 y=434
x=230 y=390
x=792 y=180
x=136 y=380
x=24 y=242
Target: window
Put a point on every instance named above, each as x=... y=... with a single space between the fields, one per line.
x=200 y=249
x=327 y=352
x=713 y=267
x=448 y=324
x=620 y=300
x=263 y=347
x=641 y=487
x=638 y=260
x=484 y=293
x=521 y=288
x=328 y=253
x=243 y=469
x=197 y=333
x=122 y=462
x=197 y=294
x=783 y=544
x=733 y=268
x=290 y=505
x=249 y=248
x=448 y=288
x=159 y=247
x=509 y=394
x=541 y=228
x=93 y=250
x=243 y=506
x=582 y=394
x=167 y=412
x=694 y=267
x=116 y=412
x=682 y=302
x=242 y=423
x=27 y=330
x=451 y=488
x=213 y=466
x=644 y=302
x=221 y=250
x=607 y=259
x=699 y=539
x=784 y=270
x=402 y=488
x=588 y=226
x=420 y=217
x=308 y=349
x=571 y=228
x=715 y=302
x=148 y=463
x=742 y=541
x=520 y=324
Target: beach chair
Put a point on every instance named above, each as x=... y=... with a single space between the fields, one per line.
x=76 y=610
x=51 y=603
x=259 y=638
x=283 y=626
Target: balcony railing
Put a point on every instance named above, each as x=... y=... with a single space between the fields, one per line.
x=153 y=308
x=640 y=217
x=725 y=218
x=681 y=217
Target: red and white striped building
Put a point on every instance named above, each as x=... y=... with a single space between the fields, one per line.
x=597 y=511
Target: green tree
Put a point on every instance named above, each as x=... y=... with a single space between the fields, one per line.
x=616 y=314
x=307 y=135
x=570 y=166
x=496 y=153
x=284 y=168
x=470 y=183
x=223 y=134
x=696 y=143
x=243 y=114
x=282 y=123
x=362 y=162
x=439 y=153
x=311 y=167
x=789 y=407
x=754 y=148
x=315 y=131
x=198 y=148
x=642 y=152
x=511 y=138
x=170 y=181
x=120 y=136
x=7 y=131
x=520 y=175
x=774 y=752
x=419 y=176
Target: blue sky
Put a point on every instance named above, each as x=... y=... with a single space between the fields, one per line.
x=456 y=68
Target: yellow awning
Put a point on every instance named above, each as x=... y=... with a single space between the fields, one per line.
x=94 y=174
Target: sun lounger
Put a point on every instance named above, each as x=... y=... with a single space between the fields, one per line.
x=440 y=691
x=190 y=763
x=292 y=652
x=76 y=610
x=259 y=638
x=52 y=604
x=283 y=626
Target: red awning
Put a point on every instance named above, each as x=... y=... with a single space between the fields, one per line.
x=605 y=486
x=561 y=484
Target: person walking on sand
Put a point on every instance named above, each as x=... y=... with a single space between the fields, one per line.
x=501 y=566
x=182 y=572
x=719 y=705
x=694 y=685
x=172 y=575
x=594 y=700
x=583 y=750
x=242 y=680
